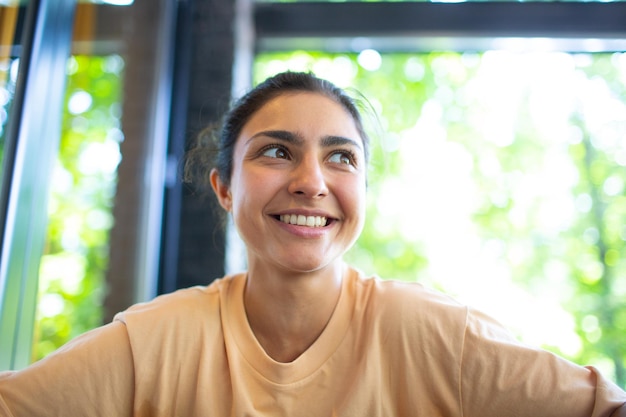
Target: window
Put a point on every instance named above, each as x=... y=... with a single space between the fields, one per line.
x=93 y=143
x=499 y=173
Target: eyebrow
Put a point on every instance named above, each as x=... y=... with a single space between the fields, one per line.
x=296 y=139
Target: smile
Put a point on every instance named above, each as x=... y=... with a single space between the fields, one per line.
x=300 y=220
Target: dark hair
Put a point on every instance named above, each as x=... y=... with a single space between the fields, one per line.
x=216 y=150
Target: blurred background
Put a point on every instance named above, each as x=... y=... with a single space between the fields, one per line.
x=498 y=169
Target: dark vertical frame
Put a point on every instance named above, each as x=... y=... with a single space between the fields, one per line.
x=168 y=266
x=194 y=239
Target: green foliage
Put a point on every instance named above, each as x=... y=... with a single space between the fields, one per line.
x=76 y=254
x=499 y=178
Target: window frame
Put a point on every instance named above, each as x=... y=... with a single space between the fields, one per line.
x=426 y=26
x=32 y=140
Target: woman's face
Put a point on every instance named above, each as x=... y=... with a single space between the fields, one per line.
x=297 y=190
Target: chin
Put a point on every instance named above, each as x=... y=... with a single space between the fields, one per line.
x=310 y=265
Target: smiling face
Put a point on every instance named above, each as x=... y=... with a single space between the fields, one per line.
x=297 y=189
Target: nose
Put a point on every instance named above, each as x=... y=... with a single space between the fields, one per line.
x=308 y=179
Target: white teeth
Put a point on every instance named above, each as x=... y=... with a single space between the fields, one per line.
x=300 y=220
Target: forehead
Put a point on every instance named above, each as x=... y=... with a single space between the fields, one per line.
x=305 y=112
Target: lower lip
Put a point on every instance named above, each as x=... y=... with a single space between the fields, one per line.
x=304 y=231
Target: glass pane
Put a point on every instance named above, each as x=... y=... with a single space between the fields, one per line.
x=500 y=178
x=73 y=266
x=103 y=123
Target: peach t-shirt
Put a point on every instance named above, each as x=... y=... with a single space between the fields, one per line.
x=389 y=349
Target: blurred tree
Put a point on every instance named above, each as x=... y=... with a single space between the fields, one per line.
x=76 y=253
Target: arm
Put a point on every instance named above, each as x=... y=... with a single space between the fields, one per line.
x=606 y=389
x=607 y=396
x=620 y=412
x=92 y=375
x=501 y=376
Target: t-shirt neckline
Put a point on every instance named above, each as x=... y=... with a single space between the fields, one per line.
x=236 y=324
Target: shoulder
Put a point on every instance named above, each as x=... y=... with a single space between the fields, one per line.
x=173 y=325
x=184 y=299
x=410 y=312
x=189 y=310
x=409 y=299
x=415 y=330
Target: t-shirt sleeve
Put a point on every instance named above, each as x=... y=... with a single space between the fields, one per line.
x=501 y=376
x=91 y=375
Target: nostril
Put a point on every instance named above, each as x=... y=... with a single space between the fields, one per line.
x=308 y=184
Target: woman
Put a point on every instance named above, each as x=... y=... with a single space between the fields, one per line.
x=301 y=333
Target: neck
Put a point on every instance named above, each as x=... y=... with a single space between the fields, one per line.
x=288 y=312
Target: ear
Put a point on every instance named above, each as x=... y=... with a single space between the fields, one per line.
x=222 y=191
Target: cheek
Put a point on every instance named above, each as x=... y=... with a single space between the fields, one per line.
x=251 y=190
x=353 y=197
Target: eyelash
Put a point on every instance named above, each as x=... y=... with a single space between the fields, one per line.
x=343 y=152
x=347 y=153
x=273 y=146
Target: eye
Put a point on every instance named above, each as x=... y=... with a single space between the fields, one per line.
x=275 y=151
x=343 y=158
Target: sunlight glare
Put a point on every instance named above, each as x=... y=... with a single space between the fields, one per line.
x=66 y=269
x=370 y=59
x=79 y=102
x=100 y=158
x=50 y=305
